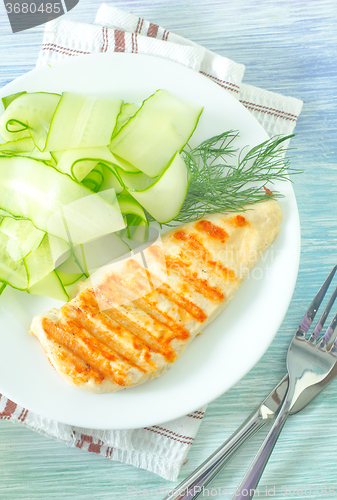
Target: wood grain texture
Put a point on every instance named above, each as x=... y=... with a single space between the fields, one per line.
x=288 y=47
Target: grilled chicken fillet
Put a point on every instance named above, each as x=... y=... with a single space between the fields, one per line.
x=128 y=324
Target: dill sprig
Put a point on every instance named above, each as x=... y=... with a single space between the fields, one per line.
x=218 y=186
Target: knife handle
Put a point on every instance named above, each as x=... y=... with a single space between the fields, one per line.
x=192 y=486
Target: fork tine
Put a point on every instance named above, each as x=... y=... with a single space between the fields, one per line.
x=311 y=312
x=329 y=334
x=322 y=319
x=333 y=349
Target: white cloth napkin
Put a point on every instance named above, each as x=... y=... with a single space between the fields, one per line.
x=161 y=449
x=117 y=31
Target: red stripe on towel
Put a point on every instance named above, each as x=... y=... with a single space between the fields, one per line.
x=9 y=410
x=165 y=433
x=152 y=32
x=119 y=41
x=62 y=50
x=270 y=111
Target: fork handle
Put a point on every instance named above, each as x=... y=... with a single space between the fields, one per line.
x=193 y=485
x=248 y=485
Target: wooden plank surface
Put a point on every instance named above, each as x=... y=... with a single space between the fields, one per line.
x=288 y=47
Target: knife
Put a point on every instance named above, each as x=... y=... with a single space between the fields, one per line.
x=193 y=485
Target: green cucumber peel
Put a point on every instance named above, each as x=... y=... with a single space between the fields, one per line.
x=6 y=101
x=164 y=198
x=36 y=154
x=124 y=165
x=135 y=180
x=24 y=126
x=94 y=179
x=68 y=279
x=70 y=289
x=78 y=163
x=23 y=145
x=82 y=121
x=86 y=258
x=23 y=233
x=41 y=262
x=29 y=114
x=136 y=230
x=50 y=286
x=111 y=179
x=162 y=125
x=129 y=206
x=51 y=201
x=127 y=111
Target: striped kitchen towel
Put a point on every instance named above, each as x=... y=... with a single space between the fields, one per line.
x=161 y=449
x=117 y=31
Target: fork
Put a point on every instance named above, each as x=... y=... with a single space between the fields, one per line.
x=192 y=486
x=309 y=362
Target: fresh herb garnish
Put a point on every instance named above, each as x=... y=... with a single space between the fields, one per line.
x=218 y=186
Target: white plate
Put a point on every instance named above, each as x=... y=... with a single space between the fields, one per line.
x=212 y=364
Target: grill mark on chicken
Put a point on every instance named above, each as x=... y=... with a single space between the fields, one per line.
x=148 y=305
x=165 y=289
x=140 y=348
x=196 y=250
x=212 y=230
x=109 y=333
x=121 y=288
x=160 y=322
x=86 y=347
x=73 y=366
x=150 y=321
x=141 y=335
x=237 y=221
x=182 y=302
x=114 y=287
x=200 y=285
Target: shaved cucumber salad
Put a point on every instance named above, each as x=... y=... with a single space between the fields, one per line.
x=76 y=172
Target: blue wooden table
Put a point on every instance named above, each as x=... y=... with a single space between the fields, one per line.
x=288 y=47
